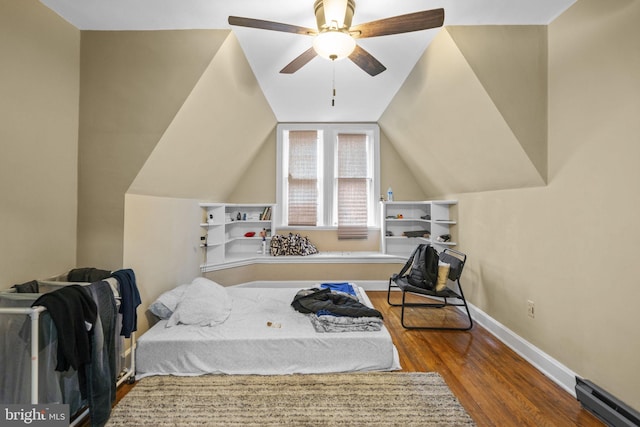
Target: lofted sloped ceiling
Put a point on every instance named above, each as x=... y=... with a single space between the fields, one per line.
x=473 y=107
x=511 y=64
x=214 y=136
x=464 y=120
x=447 y=127
x=306 y=95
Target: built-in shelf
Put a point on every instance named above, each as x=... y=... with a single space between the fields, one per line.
x=225 y=228
x=433 y=217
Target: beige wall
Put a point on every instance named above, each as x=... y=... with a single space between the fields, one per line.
x=561 y=241
x=161 y=245
x=132 y=85
x=569 y=246
x=511 y=64
x=447 y=127
x=39 y=87
x=306 y=272
x=209 y=145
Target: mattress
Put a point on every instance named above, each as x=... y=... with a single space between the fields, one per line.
x=263 y=335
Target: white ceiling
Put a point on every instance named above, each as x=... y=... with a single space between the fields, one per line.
x=305 y=96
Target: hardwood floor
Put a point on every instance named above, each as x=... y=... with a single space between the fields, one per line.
x=495 y=385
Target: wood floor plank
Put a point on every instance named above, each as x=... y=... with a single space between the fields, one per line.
x=493 y=383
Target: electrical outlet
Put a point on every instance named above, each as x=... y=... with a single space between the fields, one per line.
x=531 y=312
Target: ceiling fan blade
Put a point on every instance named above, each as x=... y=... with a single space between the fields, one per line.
x=366 y=61
x=300 y=61
x=270 y=25
x=399 y=24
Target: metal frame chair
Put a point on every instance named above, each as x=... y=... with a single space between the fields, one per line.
x=457 y=261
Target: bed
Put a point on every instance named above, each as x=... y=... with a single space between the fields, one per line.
x=262 y=335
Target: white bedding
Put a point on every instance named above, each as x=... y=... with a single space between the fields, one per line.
x=263 y=335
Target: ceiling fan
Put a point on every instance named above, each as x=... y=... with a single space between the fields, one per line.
x=335 y=38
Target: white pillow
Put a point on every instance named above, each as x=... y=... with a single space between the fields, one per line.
x=204 y=303
x=166 y=303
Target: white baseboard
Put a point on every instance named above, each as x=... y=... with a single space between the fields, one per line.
x=546 y=364
x=367 y=285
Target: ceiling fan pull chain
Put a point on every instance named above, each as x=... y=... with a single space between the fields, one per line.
x=333 y=99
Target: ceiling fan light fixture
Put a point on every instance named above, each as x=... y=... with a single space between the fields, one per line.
x=334 y=45
x=334 y=12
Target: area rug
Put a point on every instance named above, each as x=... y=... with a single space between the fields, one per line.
x=358 y=399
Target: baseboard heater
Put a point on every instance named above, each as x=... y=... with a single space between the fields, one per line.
x=605 y=406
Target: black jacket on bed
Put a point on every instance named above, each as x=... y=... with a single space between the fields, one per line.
x=324 y=301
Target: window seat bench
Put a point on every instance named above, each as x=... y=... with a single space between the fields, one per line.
x=352 y=257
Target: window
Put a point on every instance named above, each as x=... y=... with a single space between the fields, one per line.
x=302 y=177
x=328 y=177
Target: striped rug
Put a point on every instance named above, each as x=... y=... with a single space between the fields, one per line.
x=357 y=399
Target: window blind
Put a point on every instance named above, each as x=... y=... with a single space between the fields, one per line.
x=303 y=178
x=352 y=183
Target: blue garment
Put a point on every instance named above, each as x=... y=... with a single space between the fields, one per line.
x=344 y=287
x=130 y=300
x=327 y=313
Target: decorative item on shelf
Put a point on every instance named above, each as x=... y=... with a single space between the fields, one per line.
x=239 y=216
x=400 y=216
x=244 y=216
x=419 y=233
x=263 y=234
x=390 y=195
x=444 y=238
x=266 y=214
x=249 y=234
x=427 y=217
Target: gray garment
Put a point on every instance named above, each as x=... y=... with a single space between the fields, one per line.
x=101 y=372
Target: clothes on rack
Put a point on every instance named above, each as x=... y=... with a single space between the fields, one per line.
x=84 y=334
x=74 y=313
x=30 y=287
x=87 y=275
x=130 y=300
x=101 y=372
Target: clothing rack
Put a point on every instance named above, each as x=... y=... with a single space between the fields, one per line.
x=126 y=370
x=34 y=313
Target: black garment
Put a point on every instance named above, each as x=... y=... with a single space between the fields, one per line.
x=72 y=310
x=130 y=300
x=87 y=274
x=314 y=300
x=28 y=287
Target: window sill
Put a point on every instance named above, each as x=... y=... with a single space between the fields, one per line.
x=289 y=228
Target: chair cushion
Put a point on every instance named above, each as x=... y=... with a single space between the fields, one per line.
x=405 y=286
